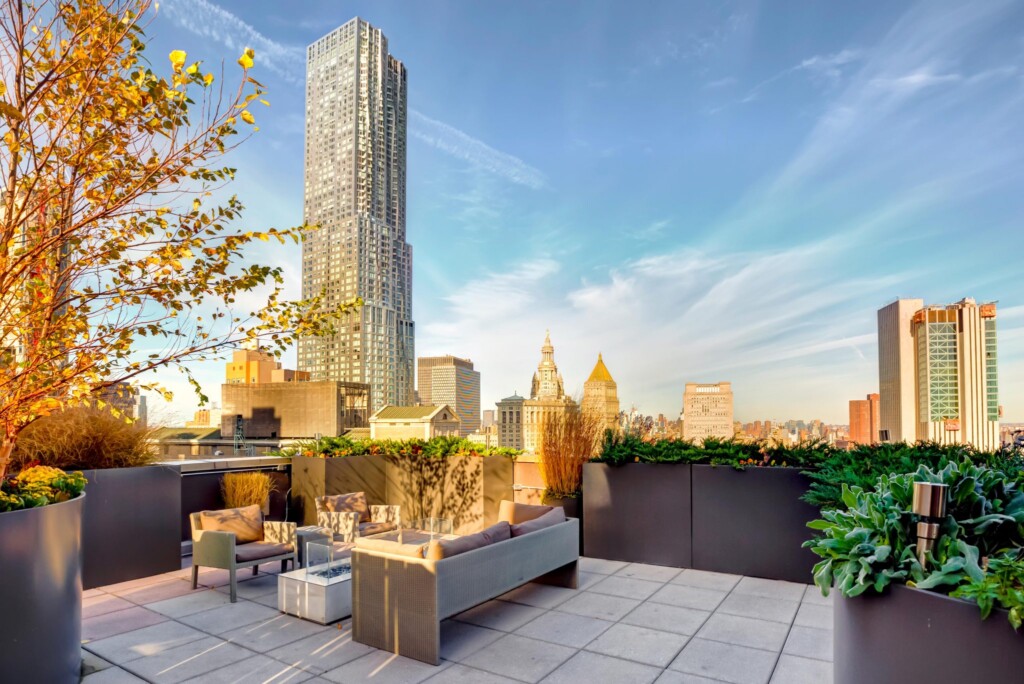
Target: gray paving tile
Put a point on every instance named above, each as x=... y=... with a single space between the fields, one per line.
x=809 y=642
x=231 y=616
x=89 y=593
x=566 y=629
x=93 y=663
x=144 y=642
x=643 y=645
x=381 y=667
x=746 y=605
x=520 y=658
x=462 y=674
x=725 y=662
x=539 y=595
x=112 y=675
x=733 y=629
x=702 y=579
x=588 y=579
x=812 y=594
x=594 y=667
x=666 y=618
x=626 y=587
x=255 y=668
x=813 y=615
x=688 y=597
x=118 y=622
x=152 y=593
x=674 y=677
x=273 y=633
x=199 y=600
x=322 y=651
x=600 y=566
x=460 y=640
x=189 y=660
x=599 y=606
x=254 y=588
x=500 y=615
x=795 y=670
x=651 y=573
x=103 y=604
x=776 y=589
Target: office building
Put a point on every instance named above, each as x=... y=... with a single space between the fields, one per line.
x=355 y=164
x=450 y=380
x=707 y=411
x=864 y=420
x=510 y=422
x=601 y=397
x=547 y=397
x=938 y=373
x=293 y=410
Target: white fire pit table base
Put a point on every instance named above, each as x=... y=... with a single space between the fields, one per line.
x=321 y=593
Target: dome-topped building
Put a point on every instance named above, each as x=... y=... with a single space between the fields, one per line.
x=547 y=397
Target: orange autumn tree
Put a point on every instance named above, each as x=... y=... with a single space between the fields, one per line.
x=114 y=259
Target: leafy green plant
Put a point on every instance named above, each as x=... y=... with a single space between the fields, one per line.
x=1002 y=585
x=39 y=486
x=871 y=543
x=621 y=449
x=437 y=447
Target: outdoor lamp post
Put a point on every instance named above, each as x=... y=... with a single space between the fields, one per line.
x=930 y=507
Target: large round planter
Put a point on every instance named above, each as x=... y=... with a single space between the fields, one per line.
x=573 y=507
x=131 y=524
x=41 y=593
x=909 y=635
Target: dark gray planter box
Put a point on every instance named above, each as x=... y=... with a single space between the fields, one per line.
x=638 y=512
x=130 y=524
x=313 y=477
x=41 y=593
x=909 y=635
x=752 y=522
x=573 y=507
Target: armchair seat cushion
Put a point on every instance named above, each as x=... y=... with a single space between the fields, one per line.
x=256 y=550
x=348 y=503
x=245 y=523
x=368 y=528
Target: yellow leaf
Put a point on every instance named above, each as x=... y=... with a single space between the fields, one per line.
x=3 y=88
x=208 y=79
x=247 y=117
x=193 y=69
x=246 y=59
x=177 y=58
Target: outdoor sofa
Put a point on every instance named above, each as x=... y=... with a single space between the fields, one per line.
x=402 y=591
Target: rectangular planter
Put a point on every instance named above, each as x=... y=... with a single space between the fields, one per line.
x=313 y=477
x=638 y=512
x=131 y=522
x=910 y=635
x=752 y=522
x=201 y=491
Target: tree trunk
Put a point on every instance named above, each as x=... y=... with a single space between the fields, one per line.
x=6 y=451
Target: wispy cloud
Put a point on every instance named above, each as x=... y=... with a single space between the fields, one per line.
x=476 y=152
x=213 y=22
x=827 y=67
x=651 y=231
x=720 y=83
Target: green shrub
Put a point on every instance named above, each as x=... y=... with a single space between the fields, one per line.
x=871 y=542
x=437 y=447
x=39 y=486
x=83 y=439
x=619 y=449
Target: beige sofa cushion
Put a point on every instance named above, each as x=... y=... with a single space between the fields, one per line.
x=349 y=503
x=245 y=523
x=391 y=546
x=514 y=513
x=552 y=517
x=256 y=550
x=366 y=529
x=439 y=549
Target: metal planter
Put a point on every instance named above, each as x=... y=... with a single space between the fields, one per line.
x=130 y=524
x=752 y=522
x=638 y=512
x=313 y=477
x=910 y=635
x=41 y=593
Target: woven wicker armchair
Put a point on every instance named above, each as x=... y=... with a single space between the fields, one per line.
x=220 y=548
x=348 y=525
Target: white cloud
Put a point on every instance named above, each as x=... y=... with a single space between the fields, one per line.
x=652 y=231
x=478 y=153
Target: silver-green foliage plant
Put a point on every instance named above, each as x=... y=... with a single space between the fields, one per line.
x=872 y=543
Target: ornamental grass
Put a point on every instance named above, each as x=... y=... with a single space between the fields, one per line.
x=567 y=441
x=247 y=489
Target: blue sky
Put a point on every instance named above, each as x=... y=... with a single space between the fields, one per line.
x=701 y=191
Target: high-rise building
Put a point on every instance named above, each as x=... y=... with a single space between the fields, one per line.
x=601 y=397
x=488 y=419
x=707 y=410
x=510 y=422
x=547 y=397
x=864 y=420
x=355 y=192
x=938 y=374
x=452 y=381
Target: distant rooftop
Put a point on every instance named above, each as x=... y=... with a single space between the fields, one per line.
x=197 y=433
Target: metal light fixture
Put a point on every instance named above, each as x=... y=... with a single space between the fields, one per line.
x=930 y=507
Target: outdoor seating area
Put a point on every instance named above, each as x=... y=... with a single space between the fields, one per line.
x=624 y=623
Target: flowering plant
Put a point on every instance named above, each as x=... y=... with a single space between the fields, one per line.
x=39 y=486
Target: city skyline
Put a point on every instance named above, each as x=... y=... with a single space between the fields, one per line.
x=650 y=233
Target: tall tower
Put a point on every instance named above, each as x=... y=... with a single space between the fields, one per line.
x=896 y=370
x=707 y=411
x=601 y=396
x=452 y=381
x=547 y=381
x=355 y=192
x=547 y=398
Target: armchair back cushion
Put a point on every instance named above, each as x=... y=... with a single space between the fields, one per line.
x=514 y=513
x=245 y=523
x=348 y=503
x=440 y=549
x=552 y=517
